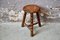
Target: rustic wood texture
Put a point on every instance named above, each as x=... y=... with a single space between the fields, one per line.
x=31 y=8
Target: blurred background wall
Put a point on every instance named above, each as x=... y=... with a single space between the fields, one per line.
x=12 y=6
x=20 y=3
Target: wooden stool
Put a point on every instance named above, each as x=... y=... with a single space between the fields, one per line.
x=31 y=9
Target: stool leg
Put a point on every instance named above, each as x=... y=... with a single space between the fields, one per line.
x=23 y=22
x=31 y=27
x=38 y=18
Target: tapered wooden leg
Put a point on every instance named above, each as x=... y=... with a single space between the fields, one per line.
x=23 y=22
x=31 y=27
x=38 y=19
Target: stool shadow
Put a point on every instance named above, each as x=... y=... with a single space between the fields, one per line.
x=44 y=28
x=37 y=31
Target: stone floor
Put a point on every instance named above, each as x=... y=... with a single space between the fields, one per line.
x=14 y=31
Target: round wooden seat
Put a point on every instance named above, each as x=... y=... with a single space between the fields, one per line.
x=31 y=8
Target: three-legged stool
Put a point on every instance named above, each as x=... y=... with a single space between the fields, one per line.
x=31 y=9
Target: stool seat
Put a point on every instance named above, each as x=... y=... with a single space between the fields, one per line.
x=31 y=8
